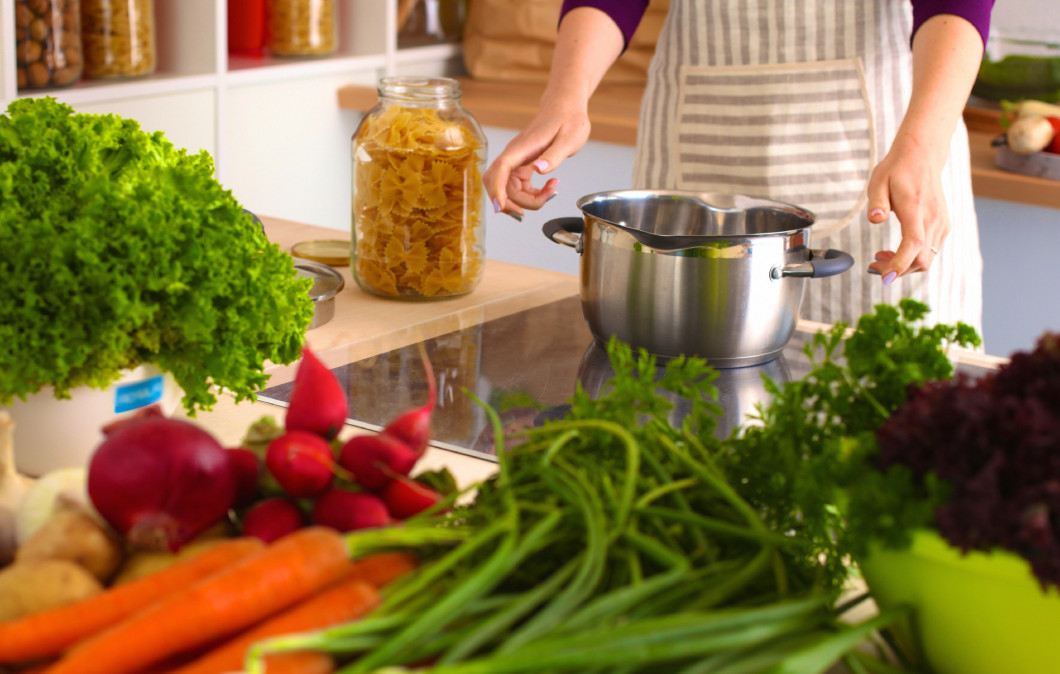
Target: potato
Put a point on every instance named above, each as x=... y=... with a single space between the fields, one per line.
x=145 y=562
x=27 y=588
x=74 y=535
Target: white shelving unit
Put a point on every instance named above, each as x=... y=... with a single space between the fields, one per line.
x=272 y=125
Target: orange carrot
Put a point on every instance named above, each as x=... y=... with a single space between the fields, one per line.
x=346 y=601
x=285 y=572
x=49 y=633
x=381 y=568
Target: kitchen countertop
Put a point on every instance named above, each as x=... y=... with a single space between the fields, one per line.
x=614 y=110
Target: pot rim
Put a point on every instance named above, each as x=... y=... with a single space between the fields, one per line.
x=718 y=202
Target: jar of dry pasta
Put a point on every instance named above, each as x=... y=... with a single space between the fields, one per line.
x=302 y=27
x=47 y=43
x=418 y=199
x=119 y=38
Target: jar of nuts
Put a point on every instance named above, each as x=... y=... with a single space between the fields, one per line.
x=302 y=27
x=119 y=38
x=48 y=43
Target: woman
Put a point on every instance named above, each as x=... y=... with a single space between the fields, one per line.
x=850 y=108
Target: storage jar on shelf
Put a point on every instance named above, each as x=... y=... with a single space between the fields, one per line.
x=246 y=27
x=48 y=43
x=119 y=38
x=302 y=27
x=418 y=215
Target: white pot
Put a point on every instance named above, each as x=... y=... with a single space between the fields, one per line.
x=52 y=433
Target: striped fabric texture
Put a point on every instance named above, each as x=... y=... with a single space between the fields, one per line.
x=797 y=101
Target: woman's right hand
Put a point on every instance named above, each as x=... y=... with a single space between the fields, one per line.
x=554 y=134
x=587 y=43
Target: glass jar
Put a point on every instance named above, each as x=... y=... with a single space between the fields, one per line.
x=48 y=43
x=119 y=38
x=423 y=22
x=302 y=27
x=418 y=199
x=246 y=27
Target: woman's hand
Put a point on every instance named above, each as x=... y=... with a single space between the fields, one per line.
x=552 y=136
x=947 y=51
x=587 y=43
x=907 y=184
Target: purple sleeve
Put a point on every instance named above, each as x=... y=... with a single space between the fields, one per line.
x=977 y=12
x=625 y=13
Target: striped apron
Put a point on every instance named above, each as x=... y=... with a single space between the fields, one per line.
x=797 y=101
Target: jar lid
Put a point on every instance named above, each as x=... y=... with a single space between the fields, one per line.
x=326 y=281
x=332 y=252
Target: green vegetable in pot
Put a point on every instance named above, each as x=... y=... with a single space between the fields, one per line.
x=119 y=250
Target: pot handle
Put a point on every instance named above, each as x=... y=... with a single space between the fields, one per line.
x=822 y=263
x=567 y=231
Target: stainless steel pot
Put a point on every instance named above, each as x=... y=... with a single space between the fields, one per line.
x=711 y=275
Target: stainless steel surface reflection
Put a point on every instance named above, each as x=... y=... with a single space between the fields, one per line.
x=526 y=366
x=740 y=389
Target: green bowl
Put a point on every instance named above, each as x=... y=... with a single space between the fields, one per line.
x=972 y=614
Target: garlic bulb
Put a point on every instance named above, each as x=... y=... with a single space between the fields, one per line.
x=12 y=488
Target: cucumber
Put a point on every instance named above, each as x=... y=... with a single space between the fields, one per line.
x=1017 y=77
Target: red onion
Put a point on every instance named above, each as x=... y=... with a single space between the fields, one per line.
x=160 y=482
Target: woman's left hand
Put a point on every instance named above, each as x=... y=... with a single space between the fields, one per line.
x=907 y=184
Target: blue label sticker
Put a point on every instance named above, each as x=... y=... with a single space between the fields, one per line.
x=137 y=394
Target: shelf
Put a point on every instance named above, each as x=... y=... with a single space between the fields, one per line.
x=990 y=182
x=249 y=70
x=613 y=111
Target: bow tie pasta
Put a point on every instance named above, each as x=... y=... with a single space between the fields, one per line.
x=417 y=204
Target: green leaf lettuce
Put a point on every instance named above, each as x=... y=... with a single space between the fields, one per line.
x=120 y=249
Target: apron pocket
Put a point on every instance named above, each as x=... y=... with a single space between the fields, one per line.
x=801 y=133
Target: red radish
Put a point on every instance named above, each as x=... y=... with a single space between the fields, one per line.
x=350 y=510
x=318 y=403
x=301 y=462
x=272 y=518
x=374 y=460
x=247 y=468
x=405 y=497
x=414 y=426
x=160 y=482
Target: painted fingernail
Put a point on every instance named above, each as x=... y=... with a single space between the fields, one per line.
x=550 y=197
x=876 y=213
x=541 y=165
x=889 y=278
x=516 y=216
x=496 y=205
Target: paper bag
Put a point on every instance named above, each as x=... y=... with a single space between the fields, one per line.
x=513 y=40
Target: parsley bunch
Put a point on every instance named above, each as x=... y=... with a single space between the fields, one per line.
x=811 y=464
x=120 y=249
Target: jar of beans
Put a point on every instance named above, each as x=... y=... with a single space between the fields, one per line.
x=302 y=27
x=48 y=43
x=119 y=38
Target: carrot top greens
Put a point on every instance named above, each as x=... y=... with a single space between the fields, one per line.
x=120 y=249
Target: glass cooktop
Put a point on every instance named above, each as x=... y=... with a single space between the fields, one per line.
x=526 y=366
